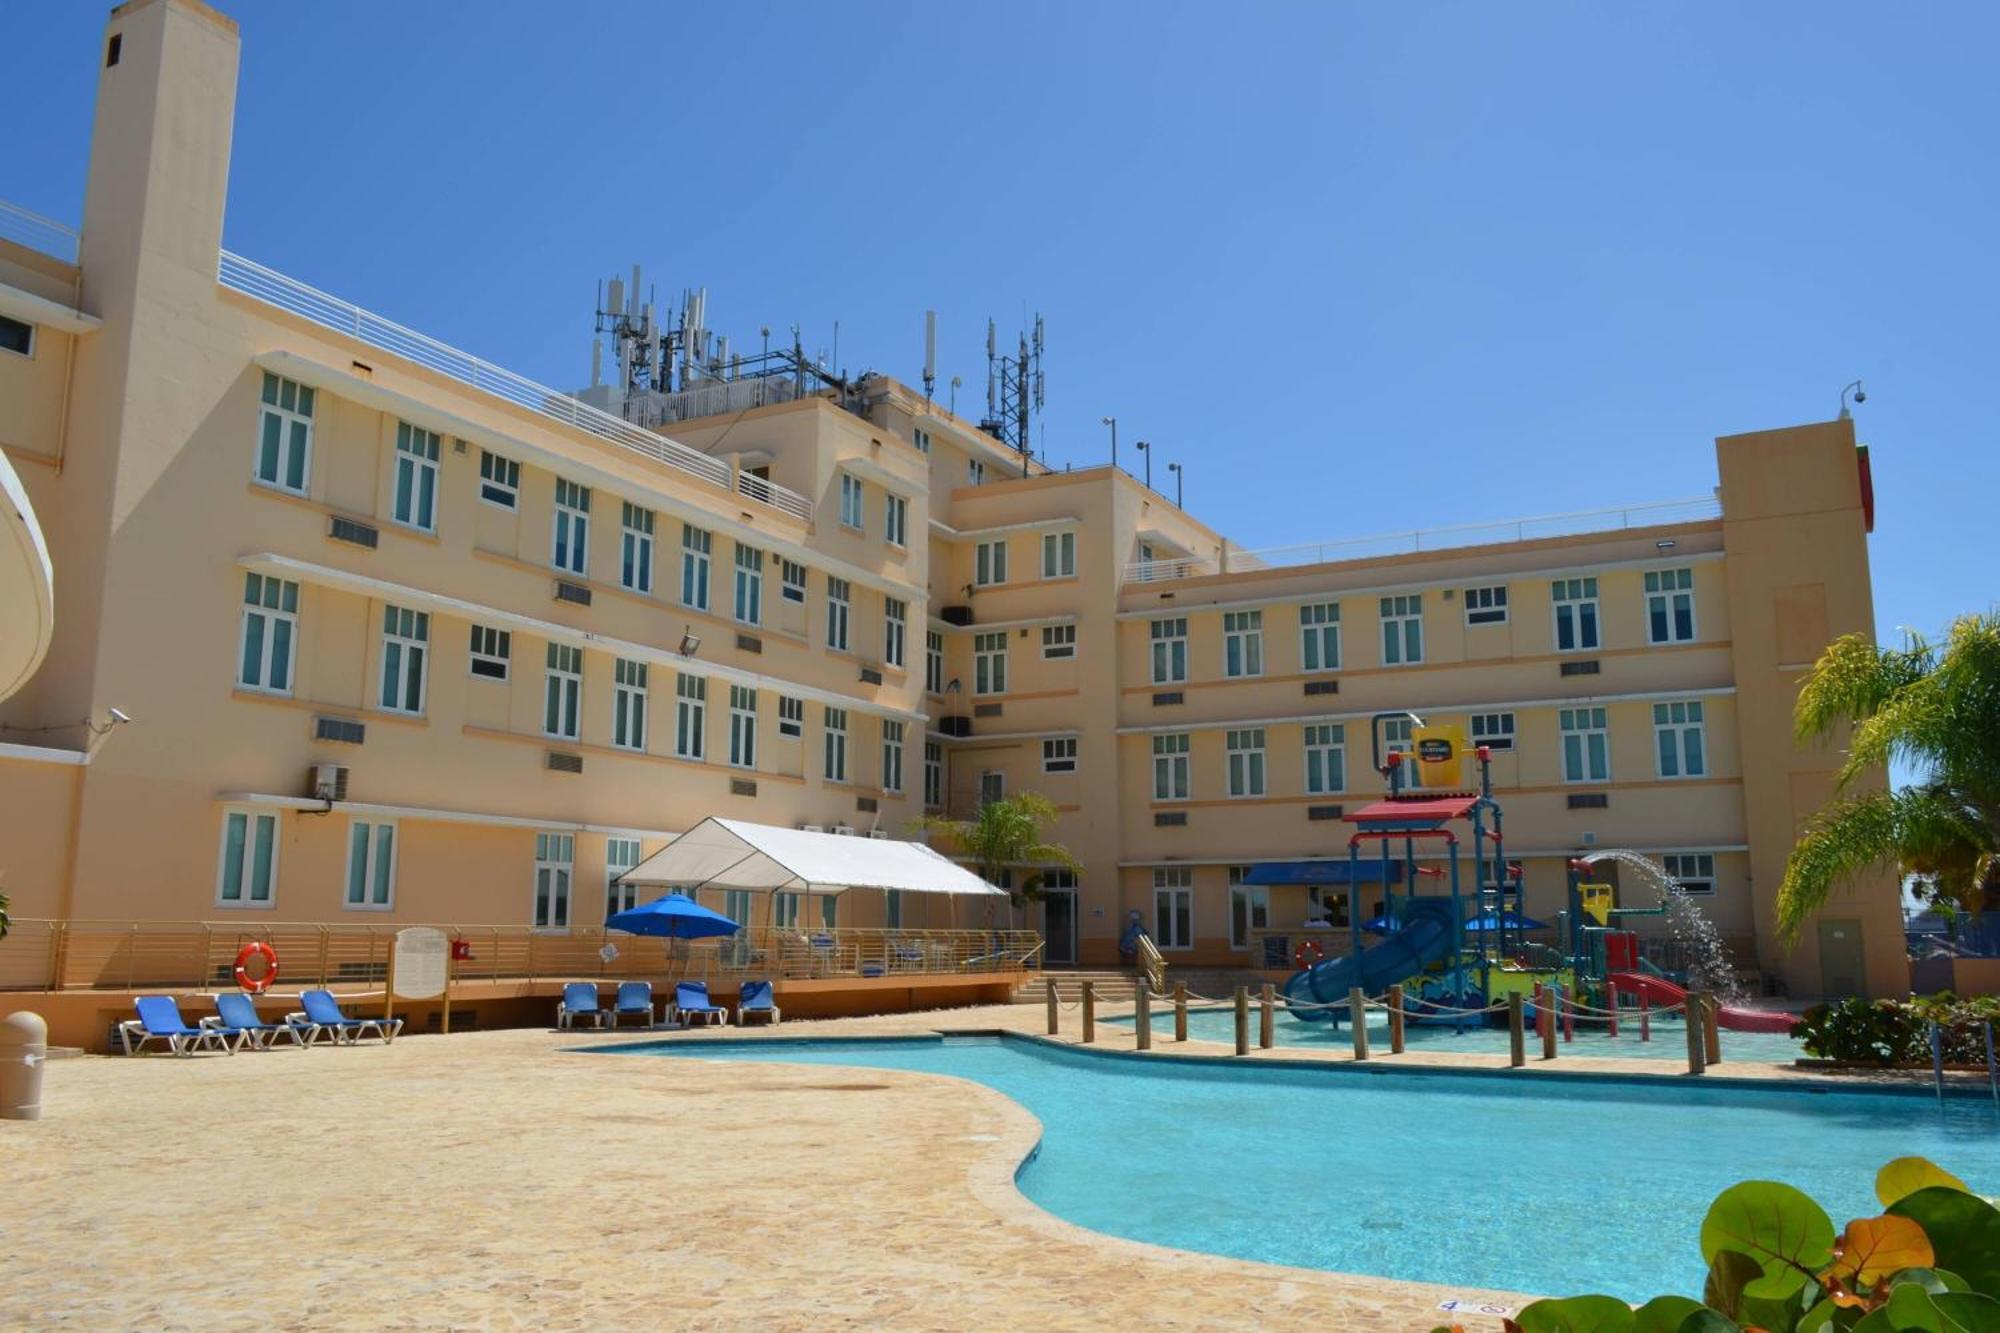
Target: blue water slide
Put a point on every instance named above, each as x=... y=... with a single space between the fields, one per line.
x=1425 y=939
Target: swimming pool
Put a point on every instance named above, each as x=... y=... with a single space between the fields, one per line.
x=1669 y=1037
x=1483 y=1181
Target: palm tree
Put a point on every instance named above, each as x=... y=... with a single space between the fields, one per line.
x=1937 y=707
x=1004 y=834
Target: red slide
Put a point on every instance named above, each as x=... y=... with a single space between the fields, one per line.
x=1661 y=991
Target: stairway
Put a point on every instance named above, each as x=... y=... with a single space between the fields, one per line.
x=1108 y=985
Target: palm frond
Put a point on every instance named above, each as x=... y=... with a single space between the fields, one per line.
x=1924 y=830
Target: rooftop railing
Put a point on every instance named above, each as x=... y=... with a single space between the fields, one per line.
x=1580 y=523
x=289 y=294
x=26 y=227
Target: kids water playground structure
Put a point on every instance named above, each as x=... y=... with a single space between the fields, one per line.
x=1458 y=971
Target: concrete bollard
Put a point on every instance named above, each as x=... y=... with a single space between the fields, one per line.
x=1180 y=1011
x=1055 y=1008
x=1242 y=1020
x=24 y=1049
x=1357 y=1010
x=1089 y=1012
x=1711 y=1028
x=1267 y=1018
x=1142 y=1013
x=1517 y=1036
x=1395 y=1020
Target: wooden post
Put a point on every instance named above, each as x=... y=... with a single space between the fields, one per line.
x=1611 y=1003
x=1697 y=1046
x=1142 y=1013
x=1357 y=1012
x=389 y=986
x=1645 y=1017
x=1180 y=1011
x=1089 y=1011
x=450 y=967
x=1055 y=1010
x=1242 y=1020
x=1711 y=1028
x=1545 y=1020
x=1267 y=1019
x=1395 y=1020
x=1517 y=1037
x=1566 y=1002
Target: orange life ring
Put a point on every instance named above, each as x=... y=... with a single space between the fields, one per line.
x=1309 y=952
x=256 y=949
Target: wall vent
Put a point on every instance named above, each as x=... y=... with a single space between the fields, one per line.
x=561 y=761
x=327 y=782
x=749 y=643
x=1325 y=811
x=574 y=593
x=1587 y=668
x=867 y=805
x=354 y=532
x=1589 y=800
x=955 y=615
x=1170 y=819
x=986 y=710
x=343 y=729
x=870 y=676
x=1165 y=698
x=742 y=787
x=1322 y=687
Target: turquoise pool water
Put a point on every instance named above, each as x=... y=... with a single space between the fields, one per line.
x=1669 y=1037
x=1463 y=1180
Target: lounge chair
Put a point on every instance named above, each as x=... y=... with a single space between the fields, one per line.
x=580 y=1000
x=322 y=1017
x=236 y=1016
x=160 y=1020
x=754 y=997
x=691 y=1002
x=635 y=1000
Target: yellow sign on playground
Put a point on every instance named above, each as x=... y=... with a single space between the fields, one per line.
x=1597 y=902
x=1439 y=751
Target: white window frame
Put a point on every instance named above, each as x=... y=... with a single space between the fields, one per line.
x=1246 y=758
x=697 y=545
x=933 y=662
x=286 y=407
x=742 y=726
x=1680 y=735
x=555 y=858
x=414 y=496
x=1059 y=555
x=989 y=563
x=895 y=630
x=895 y=519
x=853 y=502
x=1693 y=871
x=272 y=605
x=1058 y=641
x=1574 y=606
x=892 y=755
x=411 y=645
x=376 y=896
x=1173 y=887
x=1059 y=754
x=499 y=480
x=920 y=439
x=1669 y=598
x=748 y=601
x=975 y=472
x=1319 y=636
x=620 y=897
x=255 y=818
x=989 y=662
x=562 y=692
x=691 y=717
x=1325 y=758
x=1496 y=731
x=631 y=701
x=490 y=647
x=1173 y=766
x=1402 y=629
x=1576 y=727
x=791 y=716
x=833 y=749
x=1486 y=604
x=992 y=787
x=1168 y=638
x=569 y=529
x=1242 y=644
x=933 y=775
x=635 y=547
x=792 y=581
x=839 y=612
x=1256 y=905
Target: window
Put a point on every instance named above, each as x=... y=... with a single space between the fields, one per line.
x=933 y=774
x=895 y=617
x=896 y=520
x=1493 y=730
x=1319 y=636
x=786 y=910
x=695 y=543
x=571 y=552
x=975 y=472
x=837 y=610
x=921 y=438
x=1058 y=641
x=989 y=663
x=892 y=904
x=750 y=584
x=621 y=855
x=1058 y=555
x=1678 y=740
x=491 y=651
x=892 y=756
x=690 y=716
x=1173 y=907
x=792 y=581
x=1169 y=650
x=635 y=548
x=1576 y=614
x=1249 y=907
x=835 y=769
x=270 y=629
x=1486 y=606
x=1170 y=766
x=989 y=563
x=829 y=910
x=742 y=726
x=853 y=503
x=562 y=695
x=1694 y=871
x=371 y=864
x=499 y=480
x=1242 y=643
x=16 y=336
x=933 y=662
x=416 y=477
x=1326 y=758
x=1246 y=761
x=1669 y=605
x=405 y=637
x=247 y=871
x=791 y=716
x=1059 y=754
x=1403 y=630
x=1586 y=745
x=284 y=435
x=1396 y=740
x=628 y=704
x=992 y=786
x=555 y=857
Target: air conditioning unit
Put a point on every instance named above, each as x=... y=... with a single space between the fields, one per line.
x=844 y=830
x=327 y=782
x=879 y=833
x=811 y=828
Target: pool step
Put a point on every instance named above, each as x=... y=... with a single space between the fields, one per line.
x=1110 y=987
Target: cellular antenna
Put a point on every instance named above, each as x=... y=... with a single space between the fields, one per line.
x=930 y=354
x=1014 y=389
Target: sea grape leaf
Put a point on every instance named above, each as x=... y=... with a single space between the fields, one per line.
x=1663 y=1314
x=1906 y=1175
x=1963 y=1230
x=1705 y=1320
x=1788 y=1234
x=1578 y=1314
x=1729 y=1271
x=1934 y=1280
x=1822 y=1318
x=1873 y=1247
x=1970 y=1311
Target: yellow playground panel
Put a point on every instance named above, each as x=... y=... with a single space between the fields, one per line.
x=1440 y=751
x=1597 y=901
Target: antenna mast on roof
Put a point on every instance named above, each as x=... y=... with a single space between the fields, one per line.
x=1013 y=389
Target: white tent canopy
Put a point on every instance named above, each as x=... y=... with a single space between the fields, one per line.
x=733 y=854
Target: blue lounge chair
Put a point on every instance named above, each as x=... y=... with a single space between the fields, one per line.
x=160 y=1020
x=691 y=1002
x=754 y=997
x=635 y=1000
x=580 y=1000
x=322 y=1017
x=236 y=1016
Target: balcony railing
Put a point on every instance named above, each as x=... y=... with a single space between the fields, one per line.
x=28 y=228
x=274 y=288
x=1581 y=523
x=188 y=956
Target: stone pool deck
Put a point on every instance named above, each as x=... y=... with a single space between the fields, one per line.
x=494 y=1180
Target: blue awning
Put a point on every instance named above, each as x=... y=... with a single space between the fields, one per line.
x=1367 y=871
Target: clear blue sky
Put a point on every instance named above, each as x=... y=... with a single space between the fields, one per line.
x=1456 y=261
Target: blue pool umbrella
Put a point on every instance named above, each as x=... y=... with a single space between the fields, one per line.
x=1511 y=919
x=675 y=916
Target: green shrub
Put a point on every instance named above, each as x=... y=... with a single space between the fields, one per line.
x=1889 y=1032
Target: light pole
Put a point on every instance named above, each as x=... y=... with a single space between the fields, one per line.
x=1147 y=450
x=1113 y=423
x=1175 y=468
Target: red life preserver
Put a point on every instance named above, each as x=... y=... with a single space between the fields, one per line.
x=1309 y=952
x=256 y=949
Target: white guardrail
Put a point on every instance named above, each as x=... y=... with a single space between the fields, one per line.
x=28 y=228
x=1581 y=522
x=274 y=288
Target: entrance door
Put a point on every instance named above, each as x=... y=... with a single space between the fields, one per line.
x=1842 y=965
x=1059 y=927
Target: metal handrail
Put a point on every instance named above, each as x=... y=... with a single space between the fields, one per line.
x=274 y=288
x=1153 y=963
x=25 y=227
